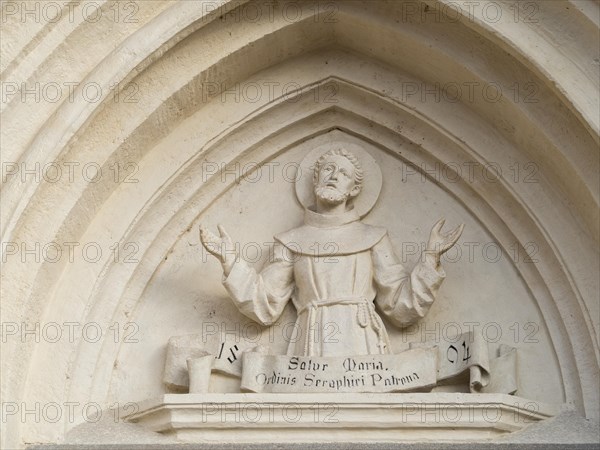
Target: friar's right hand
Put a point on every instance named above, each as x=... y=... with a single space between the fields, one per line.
x=220 y=246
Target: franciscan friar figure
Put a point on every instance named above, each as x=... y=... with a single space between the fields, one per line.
x=340 y=273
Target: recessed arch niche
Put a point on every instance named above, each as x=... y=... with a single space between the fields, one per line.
x=371 y=74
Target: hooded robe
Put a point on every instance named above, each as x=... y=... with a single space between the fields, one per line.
x=341 y=275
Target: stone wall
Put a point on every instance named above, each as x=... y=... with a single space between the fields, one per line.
x=127 y=124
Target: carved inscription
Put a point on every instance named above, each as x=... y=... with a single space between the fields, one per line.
x=374 y=373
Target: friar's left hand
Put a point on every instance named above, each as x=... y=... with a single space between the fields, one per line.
x=439 y=243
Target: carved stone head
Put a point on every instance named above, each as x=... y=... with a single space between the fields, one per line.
x=338 y=176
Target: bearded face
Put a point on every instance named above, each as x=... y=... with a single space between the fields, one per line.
x=336 y=183
x=330 y=195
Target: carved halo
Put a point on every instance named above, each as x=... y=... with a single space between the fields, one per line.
x=371 y=183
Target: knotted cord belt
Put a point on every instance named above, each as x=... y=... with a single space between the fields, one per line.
x=365 y=314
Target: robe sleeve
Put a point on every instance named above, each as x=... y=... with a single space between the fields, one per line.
x=262 y=296
x=403 y=297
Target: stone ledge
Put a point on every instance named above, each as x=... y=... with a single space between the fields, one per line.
x=357 y=418
x=318 y=446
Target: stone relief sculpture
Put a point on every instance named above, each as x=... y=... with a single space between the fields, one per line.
x=341 y=274
x=343 y=278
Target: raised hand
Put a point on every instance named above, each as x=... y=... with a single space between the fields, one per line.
x=439 y=243
x=220 y=246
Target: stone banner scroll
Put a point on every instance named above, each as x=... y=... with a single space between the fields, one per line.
x=425 y=365
x=408 y=371
x=469 y=353
x=503 y=373
x=227 y=350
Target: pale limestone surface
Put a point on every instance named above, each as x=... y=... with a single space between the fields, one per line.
x=344 y=276
x=335 y=269
x=214 y=418
x=171 y=123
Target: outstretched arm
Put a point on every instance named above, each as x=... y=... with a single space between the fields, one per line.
x=405 y=297
x=261 y=297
